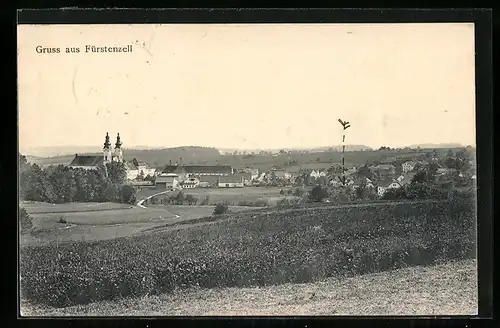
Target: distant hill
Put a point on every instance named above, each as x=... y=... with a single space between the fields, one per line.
x=440 y=145
x=155 y=157
x=315 y=149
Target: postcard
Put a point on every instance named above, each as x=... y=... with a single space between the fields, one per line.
x=247 y=169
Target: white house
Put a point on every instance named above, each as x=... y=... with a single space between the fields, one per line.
x=408 y=166
x=167 y=181
x=144 y=168
x=190 y=182
x=318 y=174
x=231 y=181
x=383 y=186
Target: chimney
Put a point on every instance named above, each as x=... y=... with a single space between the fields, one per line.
x=170 y=162
x=76 y=155
x=180 y=161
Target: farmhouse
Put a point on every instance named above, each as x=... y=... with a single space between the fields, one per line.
x=186 y=171
x=144 y=168
x=190 y=182
x=231 y=181
x=386 y=171
x=208 y=181
x=362 y=181
x=384 y=185
x=408 y=166
x=91 y=162
x=167 y=181
x=315 y=174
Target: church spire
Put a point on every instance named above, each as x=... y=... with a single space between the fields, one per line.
x=118 y=143
x=107 y=144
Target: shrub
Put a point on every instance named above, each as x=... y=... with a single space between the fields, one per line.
x=318 y=193
x=191 y=199
x=220 y=209
x=25 y=220
x=62 y=220
x=128 y=194
x=298 y=192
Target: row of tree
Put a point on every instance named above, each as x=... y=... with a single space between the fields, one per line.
x=61 y=184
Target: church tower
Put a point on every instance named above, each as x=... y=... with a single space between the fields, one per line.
x=107 y=150
x=118 y=154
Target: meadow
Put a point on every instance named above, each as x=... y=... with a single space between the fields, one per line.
x=247 y=249
x=236 y=196
x=39 y=207
x=59 y=223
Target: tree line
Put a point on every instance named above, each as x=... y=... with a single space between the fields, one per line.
x=62 y=184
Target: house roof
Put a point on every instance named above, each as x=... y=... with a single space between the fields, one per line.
x=86 y=160
x=209 y=179
x=142 y=163
x=163 y=179
x=197 y=169
x=236 y=178
x=385 y=166
x=131 y=165
x=191 y=181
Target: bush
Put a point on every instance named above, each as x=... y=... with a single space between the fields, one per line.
x=191 y=199
x=25 y=220
x=250 y=249
x=220 y=209
x=128 y=194
x=62 y=220
x=318 y=193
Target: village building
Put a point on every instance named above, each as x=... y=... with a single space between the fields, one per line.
x=362 y=181
x=386 y=184
x=316 y=174
x=190 y=182
x=408 y=166
x=167 y=181
x=231 y=181
x=208 y=181
x=186 y=171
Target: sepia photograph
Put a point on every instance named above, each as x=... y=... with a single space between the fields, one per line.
x=247 y=169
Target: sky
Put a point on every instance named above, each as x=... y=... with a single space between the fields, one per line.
x=248 y=86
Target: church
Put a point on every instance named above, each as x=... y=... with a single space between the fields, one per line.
x=91 y=162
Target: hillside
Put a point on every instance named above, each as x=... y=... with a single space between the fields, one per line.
x=445 y=289
x=250 y=249
x=155 y=157
x=293 y=162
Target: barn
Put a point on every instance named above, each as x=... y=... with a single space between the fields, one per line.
x=231 y=181
x=167 y=181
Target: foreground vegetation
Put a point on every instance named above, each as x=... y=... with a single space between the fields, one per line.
x=267 y=247
x=445 y=289
x=62 y=184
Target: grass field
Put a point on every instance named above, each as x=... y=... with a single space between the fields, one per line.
x=259 y=248
x=236 y=195
x=447 y=289
x=37 y=207
x=89 y=221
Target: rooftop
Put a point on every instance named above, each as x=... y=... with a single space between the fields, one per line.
x=198 y=169
x=236 y=178
x=87 y=160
